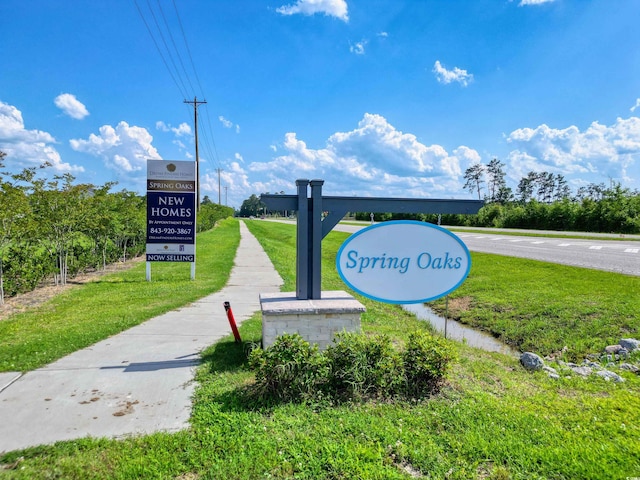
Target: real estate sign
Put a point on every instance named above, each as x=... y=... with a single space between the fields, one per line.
x=171 y=211
x=403 y=262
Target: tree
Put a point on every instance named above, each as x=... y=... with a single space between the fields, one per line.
x=526 y=187
x=14 y=212
x=474 y=178
x=251 y=206
x=562 y=190
x=546 y=186
x=496 y=184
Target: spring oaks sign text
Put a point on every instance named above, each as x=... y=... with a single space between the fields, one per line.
x=403 y=262
x=171 y=211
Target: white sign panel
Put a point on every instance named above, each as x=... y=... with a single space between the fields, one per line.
x=403 y=262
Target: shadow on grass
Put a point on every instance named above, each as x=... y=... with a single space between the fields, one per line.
x=229 y=357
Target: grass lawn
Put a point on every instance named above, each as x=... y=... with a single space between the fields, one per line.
x=84 y=315
x=492 y=420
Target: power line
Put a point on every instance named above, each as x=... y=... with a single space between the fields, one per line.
x=158 y=48
x=181 y=77
x=155 y=20
x=184 y=37
x=174 y=44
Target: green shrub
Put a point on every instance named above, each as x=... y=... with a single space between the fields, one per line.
x=355 y=368
x=363 y=366
x=289 y=370
x=426 y=361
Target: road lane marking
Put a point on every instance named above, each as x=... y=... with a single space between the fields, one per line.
x=595 y=247
x=632 y=250
x=538 y=242
x=564 y=244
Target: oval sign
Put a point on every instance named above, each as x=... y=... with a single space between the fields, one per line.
x=403 y=262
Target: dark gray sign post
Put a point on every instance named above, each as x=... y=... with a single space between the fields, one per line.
x=312 y=228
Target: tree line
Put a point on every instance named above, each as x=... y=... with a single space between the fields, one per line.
x=542 y=201
x=58 y=228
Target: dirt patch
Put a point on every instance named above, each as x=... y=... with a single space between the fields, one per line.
x=48 y=290
x=459 y=305
x=127 y=409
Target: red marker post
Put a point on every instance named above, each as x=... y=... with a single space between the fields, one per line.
x=232 y=322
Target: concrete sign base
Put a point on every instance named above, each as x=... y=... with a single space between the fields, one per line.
x=315 y=320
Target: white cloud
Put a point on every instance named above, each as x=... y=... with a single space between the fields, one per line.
x=25 y=148
x=358 y=47
x=71 y=106
x=160 y=125
x=226 y=123
x=633 y=109
x=383 y=34
x=124 y=148
x=374 y=157
x=238 y=157
x=180 y=131
x=456 y=75
x=534 y=2
x=608 y=151
x=332 y=8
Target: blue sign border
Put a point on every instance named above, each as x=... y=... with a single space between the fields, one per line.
x=399 y=222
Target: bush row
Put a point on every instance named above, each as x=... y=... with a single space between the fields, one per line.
x=355 y=368
x=618 y=211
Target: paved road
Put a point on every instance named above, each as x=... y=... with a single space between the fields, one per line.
x=597 y=253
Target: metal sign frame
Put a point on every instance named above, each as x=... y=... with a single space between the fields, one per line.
x=312 y=227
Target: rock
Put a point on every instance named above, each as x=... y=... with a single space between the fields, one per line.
x=550 y=370
x=593 y=365
x=623 y=353
x=531 y=361
x=629 y=367
x=582 y=371
x=611 y=349
x=555 y=376
x=610 y=376
x=630 y=344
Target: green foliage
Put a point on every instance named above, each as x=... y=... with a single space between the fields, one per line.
x=426 y=362
x=364 y=367
x=252 y=206
x=609 y=210
x=62 y=228
x=290 y=370
x=355 y=367
x=210 y=213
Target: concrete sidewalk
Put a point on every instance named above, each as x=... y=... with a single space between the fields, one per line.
x=139 y=381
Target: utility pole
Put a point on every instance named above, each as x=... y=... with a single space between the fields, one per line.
x=219 y=170
x=195 y=104
x=226 y=194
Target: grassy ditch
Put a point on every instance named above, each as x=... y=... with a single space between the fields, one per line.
x=543 y=307
x=491 y=420
x=86 y=314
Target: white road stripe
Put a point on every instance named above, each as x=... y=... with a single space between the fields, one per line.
x=632 y=250
x=595 y=247
x=564 y=244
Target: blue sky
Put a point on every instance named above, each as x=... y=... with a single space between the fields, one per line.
x=377 y=97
